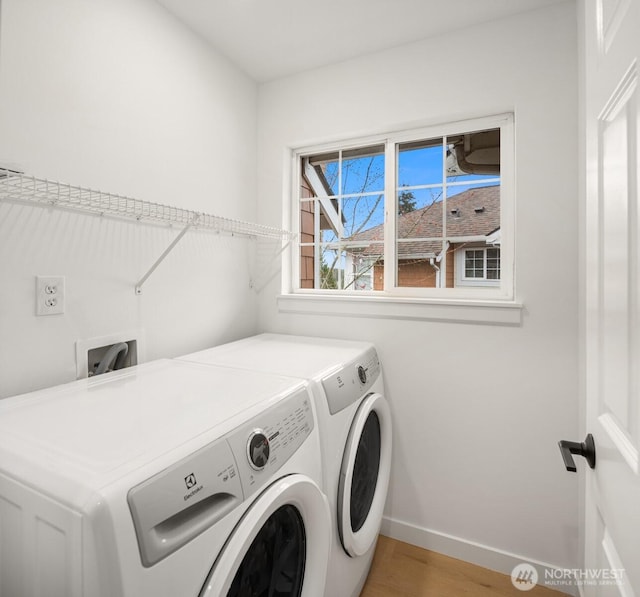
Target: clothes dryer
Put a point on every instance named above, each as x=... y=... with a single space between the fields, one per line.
x=355 y=435
x=165 y=479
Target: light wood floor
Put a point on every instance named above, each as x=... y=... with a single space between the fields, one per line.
x=403 y=570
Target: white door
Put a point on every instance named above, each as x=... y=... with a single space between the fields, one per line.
x=612 y=300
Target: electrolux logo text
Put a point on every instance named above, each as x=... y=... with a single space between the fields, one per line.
x=191 y=482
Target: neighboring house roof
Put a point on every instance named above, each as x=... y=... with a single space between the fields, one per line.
x=472 y=213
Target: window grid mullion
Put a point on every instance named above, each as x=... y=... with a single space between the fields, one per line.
x=317 y=245
x=391 y=210
x=485 y=275
x=340 y=212
x=443 y=261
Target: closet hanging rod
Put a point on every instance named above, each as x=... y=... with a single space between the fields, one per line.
x=19 y=187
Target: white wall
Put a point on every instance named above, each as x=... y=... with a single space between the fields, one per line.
x=478 y=408
x=117 y=95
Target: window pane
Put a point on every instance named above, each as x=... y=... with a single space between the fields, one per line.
x=417 y=273
x=418 y=249
x=362 y=264
x=331 y=268
x=420 y=163
x=349 y=269
x=473 y=214
x=306 y=266
x=419 y=233
x=363 y=170
x=473 y=156
x=307 y=221
x=363 y=217
x=413 y=199
x=326 y=169
x=318 y=211
x=420 y=213
x=419 y=263
x=363 y=244
x=454 y=190
x=328 y=236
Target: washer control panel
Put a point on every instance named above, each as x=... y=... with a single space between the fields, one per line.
x=352 y=381
x=180 y=502
x=258 y=449
x=268 y=441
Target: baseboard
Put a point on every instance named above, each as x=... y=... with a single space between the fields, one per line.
x=475 y=553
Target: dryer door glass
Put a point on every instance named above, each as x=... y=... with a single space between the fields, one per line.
x=274 y=563
x=365 y=472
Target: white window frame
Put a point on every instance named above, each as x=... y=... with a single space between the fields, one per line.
x=460 y=265
x=500 y=295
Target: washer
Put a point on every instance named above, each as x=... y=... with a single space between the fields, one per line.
x=355 y=435
x=166 y=479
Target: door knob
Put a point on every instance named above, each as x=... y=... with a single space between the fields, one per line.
x=587 y=449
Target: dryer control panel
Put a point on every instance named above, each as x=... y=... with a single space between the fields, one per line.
x=351 y=382
x=180 y=502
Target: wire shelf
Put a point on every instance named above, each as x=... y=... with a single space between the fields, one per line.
x=19 y=187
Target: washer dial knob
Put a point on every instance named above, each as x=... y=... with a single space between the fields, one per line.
x=258 y=449
x=362 y=374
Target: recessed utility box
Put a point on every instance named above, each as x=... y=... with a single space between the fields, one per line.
x=95 y=356
x=90 y=353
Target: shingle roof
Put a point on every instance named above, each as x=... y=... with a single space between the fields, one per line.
x=475 y=212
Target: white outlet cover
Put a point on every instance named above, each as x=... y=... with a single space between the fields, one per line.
x=50 y=295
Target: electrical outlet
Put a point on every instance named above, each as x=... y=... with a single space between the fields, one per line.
x=49 y=295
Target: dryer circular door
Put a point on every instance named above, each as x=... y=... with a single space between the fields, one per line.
x=279 y=548
x=364 y=476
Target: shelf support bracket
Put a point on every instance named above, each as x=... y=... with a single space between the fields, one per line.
x=162 y=257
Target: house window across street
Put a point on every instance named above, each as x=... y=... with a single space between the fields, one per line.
x=479 y=266
x=424 y=213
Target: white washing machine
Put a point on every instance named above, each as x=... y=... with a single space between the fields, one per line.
x=355 y=435
x=163 y=480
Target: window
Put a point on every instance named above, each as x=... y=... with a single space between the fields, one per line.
x=341 y=218
x=479 y=266
x=424 y=213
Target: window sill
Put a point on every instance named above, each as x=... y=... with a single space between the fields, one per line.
x=492 y=312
